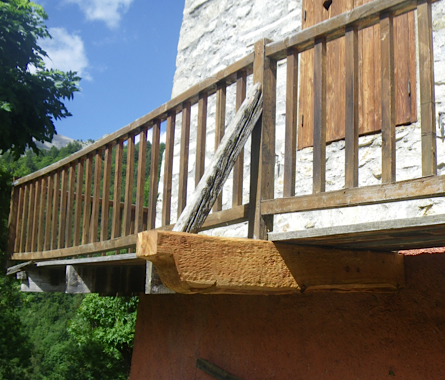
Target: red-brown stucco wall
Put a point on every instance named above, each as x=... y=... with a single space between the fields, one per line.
x=306 y=336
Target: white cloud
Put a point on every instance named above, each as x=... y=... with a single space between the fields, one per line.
x=108 y=11
x=65 y=52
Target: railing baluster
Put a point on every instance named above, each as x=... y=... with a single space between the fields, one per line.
x=128 y=187
x=140 y=183
x=184 y=157
x=30 y=217
x=96 y=197
x=13 y=219
x=116 y=223
x=238 y=168
x=153 y=196
x=19 y=227
x=319 y=163
x=78 y=207
x=388 y=98
x=290 y=142
x=62 y=214
x=87 y=199
x=168 y=168
x=351 y=112
x=70 y=206
x=220 y=122
x=427 y=95
x=35 y=215
x=201 y=137
x=41 y=228
x=55 y=209
x=106 y=193
x=49 y=205
x=23 y=233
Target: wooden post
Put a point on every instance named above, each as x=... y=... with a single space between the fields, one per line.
x=128 y=201
x=263 y=144
x=96 y=197
x=13 y=219
x=201 y=137
x=427 y=96
x=16 y=247
x=62 y=213
x=388 y=98
x=319 y=163
x=238 y=169
x=106 y=194
x=49 y=204
x=290 y=143
x=184 y=157
x=351 y=113
x=78 y=208
x=153 y=196
x=116 y=223
x=140 y=182
x=30 y=218
x=87 y=199
x=24 y=218
x=70 y=205
x=168 y=168
x=35 y=214
x=220 y=121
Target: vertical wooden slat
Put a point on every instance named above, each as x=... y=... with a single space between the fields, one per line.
x=128 y=187
x=351 y=112
x=168 y=168
x=319 y=162
x=19 y=226
x=42 y=200
x=35 y=215
x=106 y=194
x=116 y=223
x=388 y=98
x=30 y=219
x=87 y=199
x=153 y=196
x=70 y=206
x=184 y=157
x=78 y=208
x=290 y=143
x=263 y=145
x=140 y=182
x=201 y=137
x=220 y=121
x=96 y=197
x=55 y=210
x=13 y=219
x=427 y=95
x=62 y=213
x=238 y=168
x=24 y=219
x=49 y=207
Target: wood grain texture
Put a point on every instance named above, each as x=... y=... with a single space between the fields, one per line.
x=184 y=158
x=140 y=181
x=41 y=222
x=427 y=85
x=290 y=142
x=220 y=124
x=201 y=138
x=168 y=169
x=238 y=168
x=94 y=233
x=190 y=264
x=388 y=99
x=352 y=108
x=49 y=205
x=78 y=207
x=30 y=219
x=24 y=218
x=154 y=174
x=87 y=200
x=218 y=170
x=319 y=162
x=116 y=222
x=35 y=215
x=55 y=209
x=392 y=192
x=104 y=220
x=70 y=206
x=126 y=225
x=62 y=213
x=19 y=226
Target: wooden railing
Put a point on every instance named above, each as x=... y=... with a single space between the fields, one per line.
x=73 y=208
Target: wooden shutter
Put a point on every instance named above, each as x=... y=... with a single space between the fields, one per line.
x=369 y=75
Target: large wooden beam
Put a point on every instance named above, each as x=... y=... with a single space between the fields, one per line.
x=189 y=263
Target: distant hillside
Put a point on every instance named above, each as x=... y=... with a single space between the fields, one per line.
x=59 y=141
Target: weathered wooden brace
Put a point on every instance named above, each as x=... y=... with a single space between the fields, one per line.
x=189 y=263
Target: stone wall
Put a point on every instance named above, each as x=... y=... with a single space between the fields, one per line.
x=216 y=33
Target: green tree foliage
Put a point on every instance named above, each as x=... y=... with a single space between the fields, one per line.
x=31 y=96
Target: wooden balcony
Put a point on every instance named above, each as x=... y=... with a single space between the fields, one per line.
x=73 y=208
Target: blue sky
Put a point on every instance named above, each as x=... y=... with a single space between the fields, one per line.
x=125 y=51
